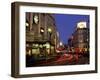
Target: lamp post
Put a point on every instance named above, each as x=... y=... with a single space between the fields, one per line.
x=50 y=32
x=47 y=45
x=27 y=25
x=42 y=31
x=42 y=34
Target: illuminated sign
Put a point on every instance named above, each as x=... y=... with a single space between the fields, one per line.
x=81 y=24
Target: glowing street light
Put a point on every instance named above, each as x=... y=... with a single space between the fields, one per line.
x=61 y=44
x=42 y=30
x=27 y=24
x=49 y=30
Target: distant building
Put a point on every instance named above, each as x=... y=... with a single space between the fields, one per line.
x=80 y=38
x=41 y=35
x=70 y=41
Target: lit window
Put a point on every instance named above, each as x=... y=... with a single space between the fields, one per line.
x=35 y=51
x=36 y=19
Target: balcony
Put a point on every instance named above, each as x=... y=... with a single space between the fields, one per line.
x=35 y=38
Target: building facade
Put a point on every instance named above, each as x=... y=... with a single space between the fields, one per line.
x=41 y=34
x=80 y=38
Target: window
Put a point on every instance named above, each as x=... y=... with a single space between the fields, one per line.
x=35 y=19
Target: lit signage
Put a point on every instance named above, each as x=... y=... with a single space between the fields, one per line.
x=81 y=25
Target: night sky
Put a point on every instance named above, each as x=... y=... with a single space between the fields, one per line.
x=66 y=24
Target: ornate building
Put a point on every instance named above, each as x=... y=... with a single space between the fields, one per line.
x=80 y=38
x=41 y=35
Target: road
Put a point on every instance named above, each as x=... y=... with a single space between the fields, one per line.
x=64 y=59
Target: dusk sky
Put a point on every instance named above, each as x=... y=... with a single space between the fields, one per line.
x=66 y=24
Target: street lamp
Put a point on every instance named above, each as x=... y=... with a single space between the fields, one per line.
x=27 y=25
x=50 y=32
x=42 y=31
x=61 y=44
